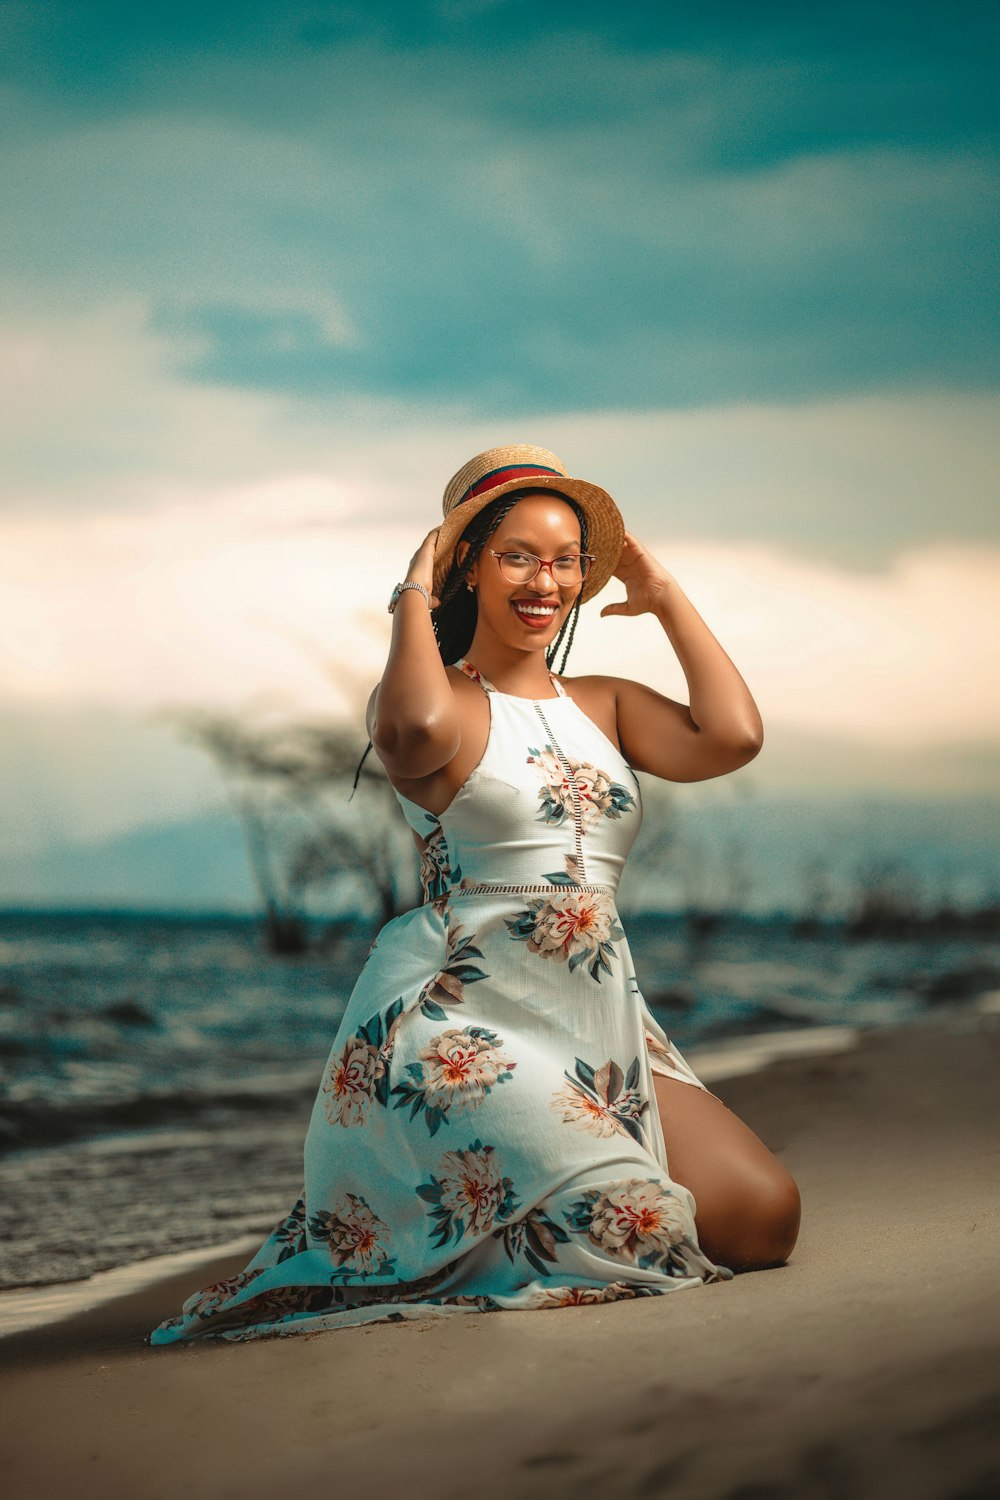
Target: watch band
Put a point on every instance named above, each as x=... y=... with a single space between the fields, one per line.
x=397 y=591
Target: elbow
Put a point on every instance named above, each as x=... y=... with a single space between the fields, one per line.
x=743 y=742
x=417 y=749
x=750 y=745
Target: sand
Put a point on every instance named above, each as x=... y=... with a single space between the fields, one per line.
x=868 y=1365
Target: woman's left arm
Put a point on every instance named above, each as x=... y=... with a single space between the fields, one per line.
x=721 y=729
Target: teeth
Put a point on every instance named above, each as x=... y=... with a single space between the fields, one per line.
x=535 y=609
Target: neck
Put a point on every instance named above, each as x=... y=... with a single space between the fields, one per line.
x=509 y=669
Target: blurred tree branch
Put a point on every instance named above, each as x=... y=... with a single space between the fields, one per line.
x=290 y=785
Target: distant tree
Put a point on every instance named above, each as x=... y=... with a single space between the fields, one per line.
x=818 y=896
x=887 y=901
x=289 y=784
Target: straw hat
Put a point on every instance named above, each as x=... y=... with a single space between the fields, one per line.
x=519 y=466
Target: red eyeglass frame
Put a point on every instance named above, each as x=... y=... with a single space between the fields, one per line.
x=543 y=562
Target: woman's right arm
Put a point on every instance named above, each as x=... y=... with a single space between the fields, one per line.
x=414 y=725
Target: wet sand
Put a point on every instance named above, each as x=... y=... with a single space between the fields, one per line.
x=870 y=1363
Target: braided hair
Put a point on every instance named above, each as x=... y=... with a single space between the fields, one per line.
x=456 y=616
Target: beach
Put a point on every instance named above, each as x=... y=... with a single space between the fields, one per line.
x=869 y=1363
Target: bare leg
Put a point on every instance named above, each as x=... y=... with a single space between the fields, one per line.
x=747 y=1205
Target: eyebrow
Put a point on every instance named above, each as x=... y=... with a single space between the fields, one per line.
x=519 y=540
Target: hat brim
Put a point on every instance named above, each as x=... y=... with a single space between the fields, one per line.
x=605 y=526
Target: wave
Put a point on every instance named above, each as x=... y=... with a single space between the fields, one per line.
x=30 y=1123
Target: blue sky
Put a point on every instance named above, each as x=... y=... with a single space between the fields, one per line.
x=277 y=270
x=486 y=207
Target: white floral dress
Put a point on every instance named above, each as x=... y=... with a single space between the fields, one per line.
x=485 y=1135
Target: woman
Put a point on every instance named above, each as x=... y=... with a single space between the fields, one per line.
x=502 y=1122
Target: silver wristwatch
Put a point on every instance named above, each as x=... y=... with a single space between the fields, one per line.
x=394 y=598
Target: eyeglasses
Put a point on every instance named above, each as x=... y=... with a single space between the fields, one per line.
x=522 y=567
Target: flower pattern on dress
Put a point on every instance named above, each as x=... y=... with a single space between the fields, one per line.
x=468 y=1193
x=206 y=1302
x=281 y=1303
x=355 y=1236
x=600 y=797
x=582 y=1296
x=570 y=874
x=455 y=1072
x=664 y=1054
x=535 y=1237
x=575 y=928
x=290 y=1232
x=639 y=1221
x=359 y=1073
x=438 y=872
x=602 y=1101
x=446 y=987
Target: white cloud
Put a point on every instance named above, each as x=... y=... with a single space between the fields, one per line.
x=276 y=594
x=94 y=418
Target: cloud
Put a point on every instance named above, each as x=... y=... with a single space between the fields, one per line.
x=266 y=596
x=95 y=419
x=660 y=225
x=94 y=416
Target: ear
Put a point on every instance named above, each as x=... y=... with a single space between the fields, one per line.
x=462 y=552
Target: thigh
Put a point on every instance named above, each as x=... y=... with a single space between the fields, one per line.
x=713 y=1152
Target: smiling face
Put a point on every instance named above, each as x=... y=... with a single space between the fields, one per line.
x=543 y=524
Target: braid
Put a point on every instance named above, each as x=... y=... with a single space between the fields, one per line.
x=574 y=614
x=456 y=616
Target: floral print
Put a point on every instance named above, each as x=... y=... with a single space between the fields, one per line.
x=358 y=1074
x=289 y=1234
x=468 y=1194
x=536 y=1237
x=639 y=1220
x=663 y=1055
x=600 y=796
x=454 y=1072
x=483 y=1134
x=574 y=929
x=448 y=985
x=438 y=872
x=204 y=1303
x=355 y=1236
x=603 y=1101
x=582 y=1296
x=350 y=1084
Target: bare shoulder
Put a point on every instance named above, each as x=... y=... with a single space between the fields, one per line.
x=596 y=695
x=456 y=677
x=651 y=731
x=590 y=683
x=434 y=791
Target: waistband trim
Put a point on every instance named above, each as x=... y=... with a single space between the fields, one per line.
x=474 y=888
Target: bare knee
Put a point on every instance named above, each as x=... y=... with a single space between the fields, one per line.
x=770 y=1227
x=753 y=1223
x=776 y=1216
x=747 y=1206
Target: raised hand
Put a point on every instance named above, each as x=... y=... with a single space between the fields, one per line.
x=644 y=579
x=421 y=569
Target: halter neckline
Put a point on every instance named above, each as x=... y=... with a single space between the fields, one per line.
x=467 y=667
